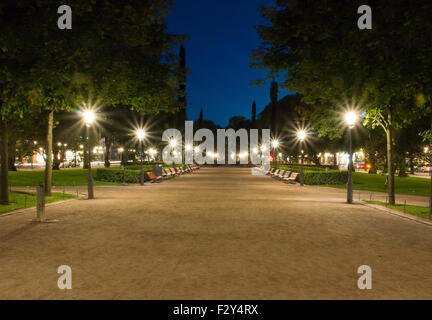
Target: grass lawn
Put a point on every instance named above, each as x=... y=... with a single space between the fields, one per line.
x=19 y=200
x=422 y=212
x=68 y=177
x=376 y=182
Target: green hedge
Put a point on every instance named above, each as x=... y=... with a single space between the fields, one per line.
x=325 y=177
x=119 y=175
x=296 y=167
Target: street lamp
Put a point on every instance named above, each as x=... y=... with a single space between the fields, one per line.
x=275 y=144
x=301 y=136
x=89 y=117
x=350 y=119
x=140 y=133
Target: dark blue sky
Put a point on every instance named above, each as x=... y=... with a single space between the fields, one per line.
x=221 y=38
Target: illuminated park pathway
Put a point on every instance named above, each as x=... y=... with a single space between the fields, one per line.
x=220 y=233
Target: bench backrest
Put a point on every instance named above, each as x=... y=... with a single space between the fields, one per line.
x=282 y=172
x=173 y=170
x=294 y=176
x=272 y=170
x=151 y=175
x=287 y=174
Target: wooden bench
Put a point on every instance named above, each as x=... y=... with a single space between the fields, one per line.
x=153 y=178
x=285 y=175
x=292 y=178
x=271 y=171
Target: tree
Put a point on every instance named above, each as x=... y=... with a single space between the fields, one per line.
x=274 y=99
x=200 y=119
x=327 y=59
x=182 y=88
x=253 y=115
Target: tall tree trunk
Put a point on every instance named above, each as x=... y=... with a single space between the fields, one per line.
x=125 y=157
x=49 y=151
x=411 y=163
x=4 y=193
x=12 y=156
x=57 y=157
x=390 y=171
x=108 y=144
x=430 y=173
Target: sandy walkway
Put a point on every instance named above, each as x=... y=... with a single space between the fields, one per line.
x=218 y=234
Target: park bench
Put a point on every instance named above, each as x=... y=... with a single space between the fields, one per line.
x=279 y=175
x=173 y=172
x=275 y=173
x=166 y=173
x=270 y=171
x=153 y=178
x=286 y=174
x=291 y=179
x=179 y=170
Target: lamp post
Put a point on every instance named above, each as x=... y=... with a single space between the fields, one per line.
x=350 y=119
x=173 y=143
x=275 y=144
x=301 y=136
x=140 y=133
x=89 y=118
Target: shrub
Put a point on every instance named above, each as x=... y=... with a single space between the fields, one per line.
x=296 y=167
x=119 y=175
x=325 y=177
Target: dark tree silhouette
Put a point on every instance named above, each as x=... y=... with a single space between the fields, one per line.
x=253 y=115
x=200 y=119
x=274 y=100
x=181 y=116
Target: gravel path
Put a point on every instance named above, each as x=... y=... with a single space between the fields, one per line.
x=220 y=233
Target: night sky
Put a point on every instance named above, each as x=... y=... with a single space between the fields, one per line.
x=221 y=39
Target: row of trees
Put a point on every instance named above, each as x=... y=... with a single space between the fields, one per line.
x=384 y=72
x=118 y=54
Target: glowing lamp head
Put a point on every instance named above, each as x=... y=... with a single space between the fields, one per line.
x=275 y=144
x=301 y=135
x=350 y=118
x=140 y=133
x=173 y=143
x=89 y=117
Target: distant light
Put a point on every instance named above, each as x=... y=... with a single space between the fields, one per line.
x=280 y=154
x=140 y=133
x=255 y=150
x=34 y=142
x=89 y=117
x=188 y=147
x=120 y=150
x=152 y=151
x=351 y=118
x=59 y=144
x=275 y=144
x=263 y=148
x=81 y=146
x=197 y=149
x=301 y=135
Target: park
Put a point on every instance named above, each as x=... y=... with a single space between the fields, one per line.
x=285 y=159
